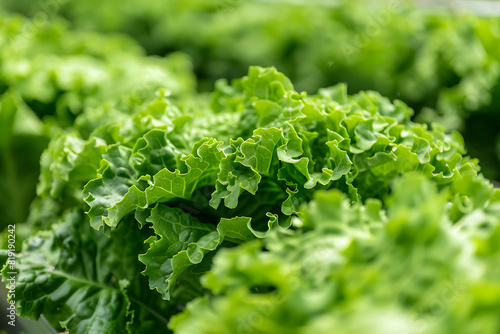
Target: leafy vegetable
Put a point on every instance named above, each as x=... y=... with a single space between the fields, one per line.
x=195 y=189
x=58 y=276
x=357 y=269
x=48 y=76
x=444 y=63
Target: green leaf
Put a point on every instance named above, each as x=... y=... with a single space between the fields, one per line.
x=120 y=190
x=153 y=152
x=111 y=188
x=345 y=263
x=65 y=284
x=183 y=242
x=243 y=168
x=195 y=171
x=171 y=254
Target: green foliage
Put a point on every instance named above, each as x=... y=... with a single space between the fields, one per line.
x=182 y=198
x=281 y=202
x=48 y=76
x=83 y=281
x=357 y=269
x=444 y=63
x=20 y=131
x=305 y=200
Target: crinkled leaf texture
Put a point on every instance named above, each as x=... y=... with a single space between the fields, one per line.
x=296 y=143
x=358 y=269
x=66 y=285
x=120 y=189
x=202 y=194
x=79 y=279
x=182 y=243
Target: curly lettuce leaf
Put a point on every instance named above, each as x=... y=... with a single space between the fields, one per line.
x=65 y=285
x=178 y=252
x=358 y=268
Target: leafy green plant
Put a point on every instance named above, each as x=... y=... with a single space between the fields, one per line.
x=191 y=188
x=359 y=268
x=48 y=76
x=444 y=64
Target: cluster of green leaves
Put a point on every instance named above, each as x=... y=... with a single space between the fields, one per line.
x=48 y=76
x=59 y=72
x=184 y=196
x=445 y=64
x=355 y=268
